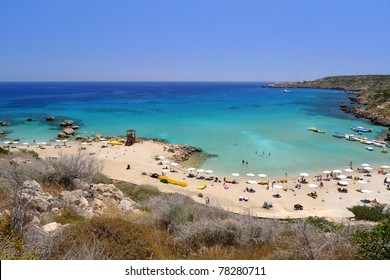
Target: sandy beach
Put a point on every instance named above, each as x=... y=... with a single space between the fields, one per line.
x=142 y=158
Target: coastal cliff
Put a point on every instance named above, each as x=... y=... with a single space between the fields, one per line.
x=370 y=94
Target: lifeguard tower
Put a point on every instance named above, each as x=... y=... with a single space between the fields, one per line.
x=130 y=137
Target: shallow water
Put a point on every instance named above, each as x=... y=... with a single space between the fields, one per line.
x=236 y=121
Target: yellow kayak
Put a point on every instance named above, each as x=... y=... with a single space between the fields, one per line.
x=202 y=186
x=115 y=143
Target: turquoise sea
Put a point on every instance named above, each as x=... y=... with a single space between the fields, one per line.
x=236 y=121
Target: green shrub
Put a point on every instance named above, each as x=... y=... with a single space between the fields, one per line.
x=12 y=246
x=68 y=216
x=323 y=224
x=102 y=238
x=374 y=244
x=370 y=213
x=32 y=153
x=100 y=178
x=3 y=151
x=137 y=193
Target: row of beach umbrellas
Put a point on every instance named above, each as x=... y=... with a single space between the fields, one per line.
x=365 y=166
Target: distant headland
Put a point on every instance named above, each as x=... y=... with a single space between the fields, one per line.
x=369 y=94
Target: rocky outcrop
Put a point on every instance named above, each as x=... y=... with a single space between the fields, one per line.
x=88 y=201
x=66 y=133
x=50 y=118
x=67 y=123
x=369 y=94
x=4 y=123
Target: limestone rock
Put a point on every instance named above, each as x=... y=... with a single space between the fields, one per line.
x=126 y=204
x=68 y=131
x=50 y=118
x=67 y=123
x=4 y=123
x=40 y=201
x=51 y=227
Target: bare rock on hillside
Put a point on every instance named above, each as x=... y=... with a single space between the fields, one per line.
x=40 y=202
x=87 y=201
x=51 y=227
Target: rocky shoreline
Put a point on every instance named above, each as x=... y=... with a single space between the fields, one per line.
x=368 y=95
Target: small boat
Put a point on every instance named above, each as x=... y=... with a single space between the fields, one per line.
x=201 y=186
x=384 y=151
x=350 y=137
x=314 y=129
x=285 y=91
x=369 y=148
x=338 y=135
x=364 y=141
x=361 y=129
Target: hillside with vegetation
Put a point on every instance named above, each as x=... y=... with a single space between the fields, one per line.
x=66 y=209
x=370 y=97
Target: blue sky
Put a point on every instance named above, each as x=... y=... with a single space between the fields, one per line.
x=199 y=40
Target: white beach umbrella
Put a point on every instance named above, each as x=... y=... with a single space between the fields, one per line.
x=337 y=171
x=165 y=170
x=58 y=140
x=209 y=171
x=365 y=164
x=15 y=142
x=200 y=170
x=343 y=183
x=252 y=182
x=262 y=175
x=388 y=174
x=63 y=140
x=166 y=161
x=161 y=157
x=303 y=174
x=26 y=144
x=342 y=177
x=7 y=142
x=174 y=164
x=235 y=174
x=250 y=174
x=349 y=170
x=368 y=168
x=84 y=143
x=191 y=168
x=362 y=182
x=327 y=172
x=312 y=186
x=365 y=191
x=385 y=166
x=278 y=187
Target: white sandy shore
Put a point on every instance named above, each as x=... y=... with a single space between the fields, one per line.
x=142 y=158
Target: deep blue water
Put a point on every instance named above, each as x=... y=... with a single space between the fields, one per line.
x=236 y=121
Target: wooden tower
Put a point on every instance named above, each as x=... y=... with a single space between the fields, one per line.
x=130 y=137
